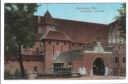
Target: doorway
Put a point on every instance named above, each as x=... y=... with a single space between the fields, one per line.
x=98 y=67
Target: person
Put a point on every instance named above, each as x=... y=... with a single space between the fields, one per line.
x=106 y=71
x=82 y=71
x=110 y=71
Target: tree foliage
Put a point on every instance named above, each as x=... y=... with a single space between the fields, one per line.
x=18 y=27
x=121 y=18
x=7 y=75
x=19 y=30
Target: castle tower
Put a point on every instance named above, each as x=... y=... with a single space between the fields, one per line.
x=54 y=42
x=119 y=49
x=47 y=24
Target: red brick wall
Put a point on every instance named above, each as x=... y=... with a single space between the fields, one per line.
x=89 y=58
x=52 y=50
x=28 y=65
x=76 y=65
x=119 y=51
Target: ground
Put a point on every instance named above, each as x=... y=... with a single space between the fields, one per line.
x=92 y=78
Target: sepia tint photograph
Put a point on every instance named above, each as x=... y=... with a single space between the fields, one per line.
x=73 y=41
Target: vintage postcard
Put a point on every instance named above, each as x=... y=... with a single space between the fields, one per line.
x=72 y=41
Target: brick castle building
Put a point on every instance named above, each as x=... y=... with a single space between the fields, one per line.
x=61 y=43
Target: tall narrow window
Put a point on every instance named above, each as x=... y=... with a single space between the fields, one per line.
x=80 y=45
x=57 y=43
x=118 y=47
x=49 y=42
x=35 y=68
x=116 y=60
x=69 y=46
x=64 y=43
x=53 y=51
x=124 y=60
x=61 y=48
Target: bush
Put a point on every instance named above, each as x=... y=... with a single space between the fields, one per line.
x=17 y=74
x=7 y=75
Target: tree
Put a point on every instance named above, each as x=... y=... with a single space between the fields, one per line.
x=18 y=29
x=121 y=18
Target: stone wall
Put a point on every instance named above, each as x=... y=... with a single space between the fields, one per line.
x=28 y=66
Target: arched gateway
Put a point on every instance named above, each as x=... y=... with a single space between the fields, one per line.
x=98 y=67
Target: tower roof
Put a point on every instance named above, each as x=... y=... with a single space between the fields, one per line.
x=47 y=19
x=47 y=14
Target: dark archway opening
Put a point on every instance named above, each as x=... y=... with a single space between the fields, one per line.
x=98 y=67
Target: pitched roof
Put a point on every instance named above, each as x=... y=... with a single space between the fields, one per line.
x=47 y=19
x=69 y=56
x=57 y=35
x=81 y=32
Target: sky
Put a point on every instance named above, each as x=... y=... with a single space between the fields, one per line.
x=103 y=13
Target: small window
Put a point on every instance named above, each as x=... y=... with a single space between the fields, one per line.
x=49 y=42
x=57 y=43
x=73 y=44
x=69 y=63
x=35 y=68
x=116 y=59
x=64 y=43
x=118 y=47
x=69 y=46
x=27 y=60
x=13 y=60
x=124 y=60
x=61 y=48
